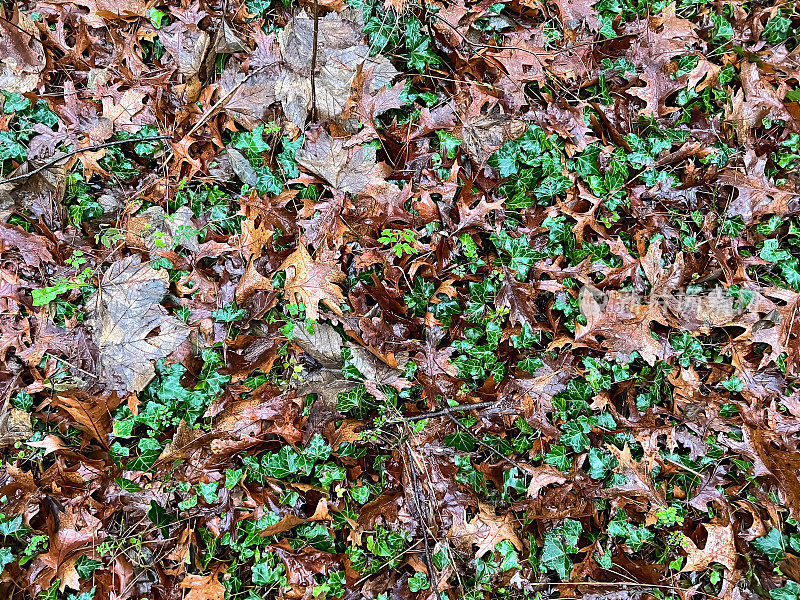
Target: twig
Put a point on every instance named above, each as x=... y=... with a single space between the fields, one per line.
x=58 y=159
x=483 y=444
x=223 y=100
x=70 y=365
x=434 y=580
x=314 y=63
x=446 y=411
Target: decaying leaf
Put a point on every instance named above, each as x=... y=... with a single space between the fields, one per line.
x=22 y=57
x=15 y=425
x=153 y=230
x=203 y=587
x=541 y=477
x=130 y=326
x=345 y=170
x=719 y=547
x=485 y=530
x=284 y=67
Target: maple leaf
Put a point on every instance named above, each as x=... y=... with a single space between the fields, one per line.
x=285 y=64
x=347 y=171
x=485 y=530
x=130 y=327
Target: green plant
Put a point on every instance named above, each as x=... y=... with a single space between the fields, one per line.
x=559 y=543
x=419 y=582
x=166 y=403
x=80 y=280
x=400 y=241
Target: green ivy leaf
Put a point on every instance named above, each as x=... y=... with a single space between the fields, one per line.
x=773 y=545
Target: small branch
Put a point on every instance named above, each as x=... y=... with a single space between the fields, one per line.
x=58 y=159
x=446 y=411
x=483 y=444
x=434 y=580
x=314 y=63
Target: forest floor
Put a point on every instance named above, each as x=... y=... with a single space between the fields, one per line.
x=391 y=300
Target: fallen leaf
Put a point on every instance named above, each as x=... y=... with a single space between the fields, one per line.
x=719 y=547
x=283 y=72
x=485 y=530
x=129 y=325
x=203 y=587
x=313 y=282
x=22 y=57
x=541 y=477
x=345 y=170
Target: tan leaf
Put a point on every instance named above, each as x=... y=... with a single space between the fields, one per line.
x=90 y=413
x=720 y=548
x=50 y=444
x=130 y=327
x=21 y=54
x=203 y=587
x=486 y=530
x=638 y=481
x=76 y=532
x=181 y=445
x=321 y=513
x=541 y=477
x=312 y=282
x=284 y=64
x=121 y=111
x=15 y=425
x=154 y=230
x=345 y=170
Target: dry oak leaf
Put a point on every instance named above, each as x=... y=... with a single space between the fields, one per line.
x=288 y=521
x=720 y=548
x=77 y=531
x=311 y=282
x=22 y=57
x=101 y=10
x=123 y=110
x=34 y=248
x=756 y=195
x=756 y=100
x=486 y=530
x=541 y=477
x=667 y=37
x=39 y=193
x=638 y=482
x=203 y=587
x=183 y=444
x=125 y=316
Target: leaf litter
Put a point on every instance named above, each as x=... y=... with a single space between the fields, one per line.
x=454 y=300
